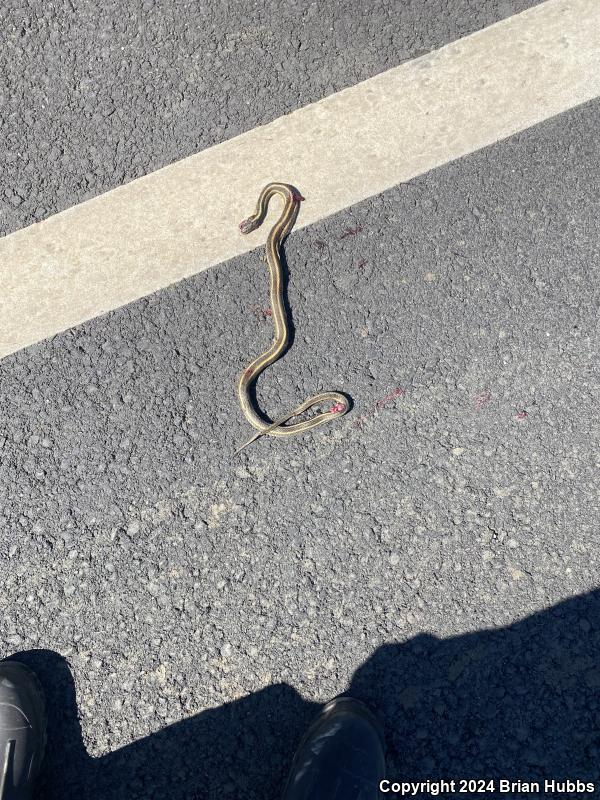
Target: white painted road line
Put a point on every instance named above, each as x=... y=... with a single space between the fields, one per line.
x=354 y=144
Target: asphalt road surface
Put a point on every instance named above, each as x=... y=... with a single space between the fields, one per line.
x=435 y=552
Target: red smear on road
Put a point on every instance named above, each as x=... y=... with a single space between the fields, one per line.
x=482 y=399
x=351 y=232
x=260 y=313
x=383 y=401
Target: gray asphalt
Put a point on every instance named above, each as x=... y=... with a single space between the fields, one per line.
x=435 y=552
x=95 y=95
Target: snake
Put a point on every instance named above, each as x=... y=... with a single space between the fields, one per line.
x=339 y=403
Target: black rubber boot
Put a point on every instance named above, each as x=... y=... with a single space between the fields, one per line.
x=341 y=757
x=22 y=730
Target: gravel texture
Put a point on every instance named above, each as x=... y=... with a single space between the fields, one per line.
x=434 y=552
x=93 y=94
x=460 y=494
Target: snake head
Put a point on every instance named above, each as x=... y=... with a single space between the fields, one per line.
x=248 y=225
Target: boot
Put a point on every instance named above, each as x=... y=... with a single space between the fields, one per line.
x=341 y=757
x=22 y=730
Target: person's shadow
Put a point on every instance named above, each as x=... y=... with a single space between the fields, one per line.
x=515 y=703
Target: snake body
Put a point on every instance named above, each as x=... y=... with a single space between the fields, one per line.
x=340 y=405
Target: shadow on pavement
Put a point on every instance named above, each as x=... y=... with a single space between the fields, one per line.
x=517 y=703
